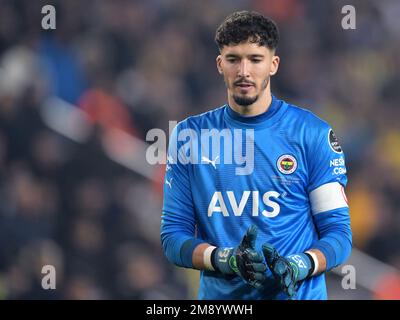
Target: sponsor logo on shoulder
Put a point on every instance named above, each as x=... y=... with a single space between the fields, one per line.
x=286 y=164
x=338 y=166
x=337 y=162
x=333 y=142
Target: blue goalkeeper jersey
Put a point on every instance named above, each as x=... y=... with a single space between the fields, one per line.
x=277 y=170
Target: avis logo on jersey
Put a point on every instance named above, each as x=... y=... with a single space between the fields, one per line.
x=218 y=203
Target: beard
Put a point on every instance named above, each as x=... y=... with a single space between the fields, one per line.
x=244 y=101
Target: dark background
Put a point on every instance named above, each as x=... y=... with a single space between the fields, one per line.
x=125 y=67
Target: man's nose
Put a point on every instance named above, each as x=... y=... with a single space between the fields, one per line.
x=244 y=69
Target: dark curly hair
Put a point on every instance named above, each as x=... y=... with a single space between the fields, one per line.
x=247 y=26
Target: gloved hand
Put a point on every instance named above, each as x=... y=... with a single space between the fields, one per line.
x=288 y=271
x=242 y=260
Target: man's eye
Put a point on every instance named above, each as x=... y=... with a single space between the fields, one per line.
x=256 y=60
x=232 y=60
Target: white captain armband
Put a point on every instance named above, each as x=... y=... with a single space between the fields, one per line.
x=328 y=197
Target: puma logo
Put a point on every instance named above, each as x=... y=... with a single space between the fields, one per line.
x=212 y=162
x=169 y=183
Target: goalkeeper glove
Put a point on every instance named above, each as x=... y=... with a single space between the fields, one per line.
x=288 y=271
x=242 y=260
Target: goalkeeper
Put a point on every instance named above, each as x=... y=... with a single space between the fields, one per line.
x=269 y=224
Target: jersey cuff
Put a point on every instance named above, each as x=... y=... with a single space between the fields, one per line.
x=328 y=251
x=186 y=251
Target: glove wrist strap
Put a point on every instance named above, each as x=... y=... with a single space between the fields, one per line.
x=220 y=260
x=208 y=257
x=314 y=263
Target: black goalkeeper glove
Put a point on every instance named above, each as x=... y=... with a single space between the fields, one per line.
x=242 y=260
x=288 y=271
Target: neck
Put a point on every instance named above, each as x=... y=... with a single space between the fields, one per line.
x=258 y=107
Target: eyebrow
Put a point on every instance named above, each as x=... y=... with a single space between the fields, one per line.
x=233 y=55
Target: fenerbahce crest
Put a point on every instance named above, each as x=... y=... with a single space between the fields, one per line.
x=287 y=164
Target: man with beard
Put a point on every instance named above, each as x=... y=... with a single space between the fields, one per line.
x=270 y=231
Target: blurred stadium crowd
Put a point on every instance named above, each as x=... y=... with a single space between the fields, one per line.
x=135 y=65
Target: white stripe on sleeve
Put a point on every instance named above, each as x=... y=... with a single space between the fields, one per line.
x=328 y=197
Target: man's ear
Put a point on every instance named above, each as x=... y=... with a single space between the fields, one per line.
x=274 y=65
x=219 y=61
